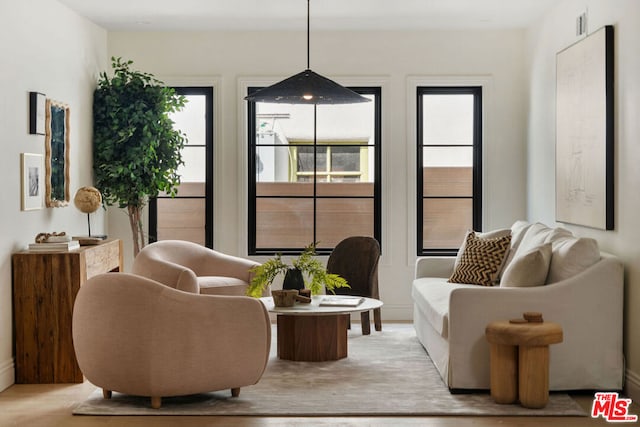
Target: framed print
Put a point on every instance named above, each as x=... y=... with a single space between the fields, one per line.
x=37 y=103
x=56 y=143
x=31 y=181
x=584 y=132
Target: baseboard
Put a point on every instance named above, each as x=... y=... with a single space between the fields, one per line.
x=7 y=374
x=632 y=386
x=397 y=312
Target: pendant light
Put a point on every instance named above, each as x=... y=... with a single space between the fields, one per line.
x=306 y=87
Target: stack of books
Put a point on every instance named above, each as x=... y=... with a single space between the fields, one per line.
x=54 y=247
x=341 y=301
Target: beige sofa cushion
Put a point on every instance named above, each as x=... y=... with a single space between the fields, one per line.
x=572 y=255
x=529 y=269
x=222 y=285
x=518 y=230
x=569 y=256
x=538 y=234
x=431 y=296
x=527 y=237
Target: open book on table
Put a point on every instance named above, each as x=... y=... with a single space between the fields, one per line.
x=341 y=301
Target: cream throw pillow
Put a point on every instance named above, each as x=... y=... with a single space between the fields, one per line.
x=529 y=269
x=571 y=256
x=518 y=230
x=529 y=237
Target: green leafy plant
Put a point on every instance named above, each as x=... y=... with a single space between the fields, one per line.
x=136 y=149
x=316 y=274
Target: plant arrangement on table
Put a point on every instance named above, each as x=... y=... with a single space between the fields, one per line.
x=305 y=265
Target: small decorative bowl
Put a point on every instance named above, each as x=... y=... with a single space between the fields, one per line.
x=284 y=297
x=305 y=292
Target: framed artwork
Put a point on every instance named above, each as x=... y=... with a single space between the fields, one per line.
x=37 y=104
x=56 y=143
x=584 y=132
x=31 y=170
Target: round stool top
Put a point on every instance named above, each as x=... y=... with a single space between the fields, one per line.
x=526 y=334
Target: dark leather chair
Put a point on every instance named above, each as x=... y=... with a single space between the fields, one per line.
x=356 y=259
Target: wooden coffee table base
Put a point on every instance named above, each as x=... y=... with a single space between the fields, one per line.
x=312 y=338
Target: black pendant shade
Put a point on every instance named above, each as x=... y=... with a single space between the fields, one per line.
x=306 y=87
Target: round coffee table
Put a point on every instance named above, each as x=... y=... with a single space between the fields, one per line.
x=312 y=332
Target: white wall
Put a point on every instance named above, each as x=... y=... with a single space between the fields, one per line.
x=394 y=60
x=553 y=33
x=47 y=48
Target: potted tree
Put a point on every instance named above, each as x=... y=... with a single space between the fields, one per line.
x=136 y=149
x=305 y=265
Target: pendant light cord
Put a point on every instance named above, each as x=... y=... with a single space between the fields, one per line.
x=308 y=61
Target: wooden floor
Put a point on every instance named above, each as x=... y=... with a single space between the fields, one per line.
x=51 y=405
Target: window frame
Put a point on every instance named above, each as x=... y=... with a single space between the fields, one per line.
x=327 y=173
x=252 y=250
x=477 y=92
x=208 y=92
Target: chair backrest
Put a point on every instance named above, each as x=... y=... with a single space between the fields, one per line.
x=356 y=259
x=178 y=264
x=181 y=252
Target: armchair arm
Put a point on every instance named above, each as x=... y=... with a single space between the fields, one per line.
x=215 y=263
x=168 y=273
x=437 y=266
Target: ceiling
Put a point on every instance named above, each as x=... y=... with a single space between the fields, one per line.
x=247 y=15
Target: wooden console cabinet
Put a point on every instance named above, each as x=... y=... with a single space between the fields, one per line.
x=45 y=285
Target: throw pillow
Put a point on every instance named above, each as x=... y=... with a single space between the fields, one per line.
x=481 y=260
x=571 y=256
x=530 y=237
x=518 y=230
x=528 y=269
x=501 y=232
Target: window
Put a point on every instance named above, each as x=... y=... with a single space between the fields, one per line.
x=449 y=166
x=188 y=215
x=334 y=163
x=301 y=192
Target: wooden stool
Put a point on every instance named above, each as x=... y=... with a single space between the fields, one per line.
x=520 y=360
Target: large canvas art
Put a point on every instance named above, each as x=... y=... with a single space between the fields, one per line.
x=584 y=131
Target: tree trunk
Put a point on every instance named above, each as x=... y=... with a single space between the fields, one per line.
x=137 y=231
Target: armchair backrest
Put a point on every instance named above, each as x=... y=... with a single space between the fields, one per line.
x=356 y=259
x=178 y=263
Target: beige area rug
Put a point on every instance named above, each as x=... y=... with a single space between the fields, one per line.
x=386 y=373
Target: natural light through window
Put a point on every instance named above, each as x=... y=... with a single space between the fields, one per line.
x=306 y=192
x=448 y=143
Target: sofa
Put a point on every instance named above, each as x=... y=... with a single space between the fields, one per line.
x=548 y=270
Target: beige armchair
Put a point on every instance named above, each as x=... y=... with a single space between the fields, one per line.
x=136 y=336
x=191 y=267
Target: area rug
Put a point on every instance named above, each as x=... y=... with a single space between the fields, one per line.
x=386 y=373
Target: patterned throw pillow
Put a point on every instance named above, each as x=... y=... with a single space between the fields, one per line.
x=481 y=260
